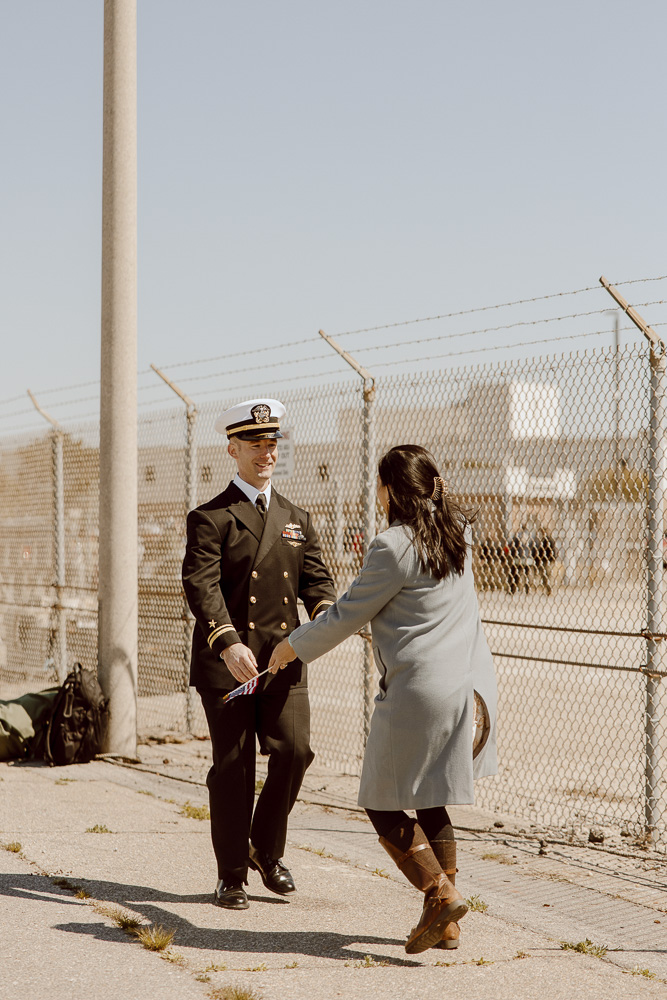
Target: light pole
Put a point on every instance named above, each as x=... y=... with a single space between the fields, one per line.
x=118 y=612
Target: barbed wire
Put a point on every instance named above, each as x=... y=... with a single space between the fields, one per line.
x=495 y=347
x=250 y=368
x=293 y=378
x=240 y=354
x=145 y=372
x=472 y=333
x=499 y=305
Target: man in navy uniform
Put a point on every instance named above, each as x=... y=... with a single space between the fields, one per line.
x=250 y=554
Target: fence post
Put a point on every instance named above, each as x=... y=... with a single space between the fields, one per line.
x=655 y=658
x=653 y=805
x=190 y=503
x=368 y=492
x=57 y=437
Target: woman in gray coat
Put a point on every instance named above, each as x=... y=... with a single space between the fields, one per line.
x=437 y=681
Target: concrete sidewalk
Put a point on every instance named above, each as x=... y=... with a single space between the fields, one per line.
x=340 y=935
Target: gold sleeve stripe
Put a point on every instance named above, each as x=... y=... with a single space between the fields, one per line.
x=318 y=606
x=218 y=632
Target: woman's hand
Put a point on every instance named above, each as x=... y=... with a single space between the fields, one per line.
x=281 y=656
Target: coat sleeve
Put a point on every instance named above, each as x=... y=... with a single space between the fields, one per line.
x=201 y=582
x=382 y=576
x=316 y=588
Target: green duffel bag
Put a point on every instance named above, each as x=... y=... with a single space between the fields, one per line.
x=23 y=724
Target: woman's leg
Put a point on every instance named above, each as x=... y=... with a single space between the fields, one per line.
x=437 y=826
x=408 y=846
x=433 y=822
x=384 y=820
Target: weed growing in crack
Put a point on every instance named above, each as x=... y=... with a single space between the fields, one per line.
x=231 y=992
x=585 y=947
x=154 y=937
x=194 y=812
x=120 y=917
x=637 y=971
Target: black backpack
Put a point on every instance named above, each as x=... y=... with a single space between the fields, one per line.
x=78 y=723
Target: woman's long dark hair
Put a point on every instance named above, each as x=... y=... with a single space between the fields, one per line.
x=418 y=500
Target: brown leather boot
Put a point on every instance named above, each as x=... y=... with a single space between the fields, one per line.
x=445 y=853
x=408 y=847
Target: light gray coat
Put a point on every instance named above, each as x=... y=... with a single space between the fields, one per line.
x=431 y=653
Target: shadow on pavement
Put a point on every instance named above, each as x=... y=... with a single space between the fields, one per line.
x=143 y=900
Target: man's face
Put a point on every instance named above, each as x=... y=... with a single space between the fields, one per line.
x=255 y=460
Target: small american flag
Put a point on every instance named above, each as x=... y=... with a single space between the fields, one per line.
x=246 y=688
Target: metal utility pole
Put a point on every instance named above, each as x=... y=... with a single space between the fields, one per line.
x=190 y=504
x=655 y=798
x=369 y=477
x=118 y=614
x=58 y=538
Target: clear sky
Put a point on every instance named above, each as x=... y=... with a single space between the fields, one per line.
x=336 y=165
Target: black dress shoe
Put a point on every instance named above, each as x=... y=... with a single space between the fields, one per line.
x=274 y=874
x=230 y=894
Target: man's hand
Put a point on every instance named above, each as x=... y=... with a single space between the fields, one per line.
x=240 y=661
x=281 y=656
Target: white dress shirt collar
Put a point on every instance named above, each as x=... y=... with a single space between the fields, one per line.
x=251 y=492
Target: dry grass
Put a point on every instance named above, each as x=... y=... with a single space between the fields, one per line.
x=98 y=828
x=120 y=917
x=321 y=852
x=195 y=812
x=499 y=857
x=64 y=781
x=585 y=947
x=155 y=937
x=522 y=954
x=477 y=905
x=380 y=872
x=291 y=965
x=262 y=967
x=637 y=971
x=174 y=957
x=215 y=968
x=13 y=847
x=82 y=894
x=368 y=962
x=231 y=992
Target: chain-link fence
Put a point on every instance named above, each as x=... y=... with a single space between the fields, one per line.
x=563 y=459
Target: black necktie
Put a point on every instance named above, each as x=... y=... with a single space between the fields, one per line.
x=260 y=503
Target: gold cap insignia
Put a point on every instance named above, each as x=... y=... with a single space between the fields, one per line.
x=261 y=413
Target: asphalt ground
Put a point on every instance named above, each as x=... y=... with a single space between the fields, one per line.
x=82 y=840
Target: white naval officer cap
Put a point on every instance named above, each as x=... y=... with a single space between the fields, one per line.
x=252 y=419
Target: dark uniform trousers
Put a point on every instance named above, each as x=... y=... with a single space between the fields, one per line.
x=282 y=724
x=242 y=577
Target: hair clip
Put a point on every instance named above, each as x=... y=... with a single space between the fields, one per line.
x=440 y=488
